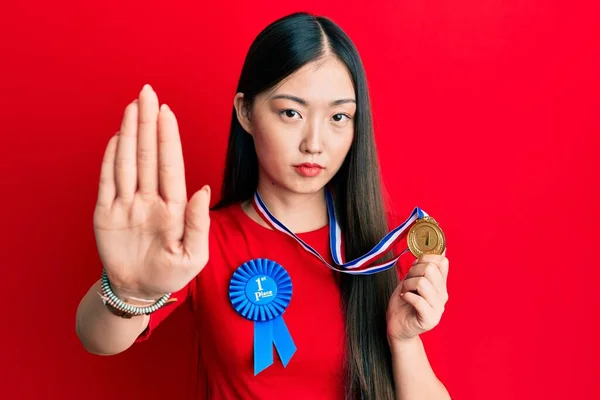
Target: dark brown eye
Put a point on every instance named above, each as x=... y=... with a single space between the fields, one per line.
x=289 y=113
x=340 y=117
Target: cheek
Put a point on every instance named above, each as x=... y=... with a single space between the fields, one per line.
x=341 y=147
x=262 y=137
x=272 y=148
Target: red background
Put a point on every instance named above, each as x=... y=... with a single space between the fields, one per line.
x=486 y=116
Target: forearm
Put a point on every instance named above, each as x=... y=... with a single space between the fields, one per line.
x=414 y=378
x=100 y=331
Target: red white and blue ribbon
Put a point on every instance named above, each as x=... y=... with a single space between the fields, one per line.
x=363 y=265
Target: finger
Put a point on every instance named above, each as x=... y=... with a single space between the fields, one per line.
x=439 y=260
x=147 y=142
x=433 y=274
x=125 y=159
x=419 y=303
x=424 y=288
x=171 y=169
x=107 y=190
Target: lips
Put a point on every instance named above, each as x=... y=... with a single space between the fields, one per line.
x=309 y=165
x=309 y=170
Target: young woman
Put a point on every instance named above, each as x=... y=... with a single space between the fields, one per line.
x=301 y=130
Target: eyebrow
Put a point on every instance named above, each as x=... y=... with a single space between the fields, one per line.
x=305 y=103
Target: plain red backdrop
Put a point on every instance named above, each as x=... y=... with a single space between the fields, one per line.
x=486 y=116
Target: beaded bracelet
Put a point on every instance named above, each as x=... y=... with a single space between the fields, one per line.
x=109 y=297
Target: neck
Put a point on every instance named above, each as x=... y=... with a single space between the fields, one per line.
x=300 y=212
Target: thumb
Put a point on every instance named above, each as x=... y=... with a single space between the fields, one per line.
x=197 y=224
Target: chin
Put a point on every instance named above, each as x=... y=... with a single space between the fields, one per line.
x=297 y=184
x=307 y=187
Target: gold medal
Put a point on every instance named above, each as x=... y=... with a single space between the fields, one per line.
x=426 y=237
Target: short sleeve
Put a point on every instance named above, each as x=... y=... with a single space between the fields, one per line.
x=183 y=296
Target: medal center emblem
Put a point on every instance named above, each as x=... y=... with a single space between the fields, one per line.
x=427 y=238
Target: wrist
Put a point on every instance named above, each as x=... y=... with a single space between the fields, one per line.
x=134 y=299
x=405 y=344
x=115 y=311
x=113 y=302
x=131 y=296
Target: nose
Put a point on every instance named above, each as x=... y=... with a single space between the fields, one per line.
x=312 y=141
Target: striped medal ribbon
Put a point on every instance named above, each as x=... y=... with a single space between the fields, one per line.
x=363 y=265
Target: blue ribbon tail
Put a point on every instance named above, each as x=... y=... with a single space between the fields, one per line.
x=283 y=341
x=267 y=334
x=263 y=350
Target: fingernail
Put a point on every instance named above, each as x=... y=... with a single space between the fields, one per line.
x=415 y=262
x=147 y=87
x=164 y=107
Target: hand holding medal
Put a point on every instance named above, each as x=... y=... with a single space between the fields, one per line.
x=419 y=300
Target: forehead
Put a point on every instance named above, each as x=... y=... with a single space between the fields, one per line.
x=326 y=79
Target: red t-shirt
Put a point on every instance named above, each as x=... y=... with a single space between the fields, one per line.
x=314 y=316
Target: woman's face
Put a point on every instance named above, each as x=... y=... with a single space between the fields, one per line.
x=303 y=128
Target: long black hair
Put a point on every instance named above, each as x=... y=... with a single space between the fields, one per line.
x=278 y=51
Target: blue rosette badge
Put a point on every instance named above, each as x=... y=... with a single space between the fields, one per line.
x=260 y=290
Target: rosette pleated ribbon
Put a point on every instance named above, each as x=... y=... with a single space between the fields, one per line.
x=260 y=290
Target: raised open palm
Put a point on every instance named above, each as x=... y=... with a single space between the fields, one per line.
x=150 y=239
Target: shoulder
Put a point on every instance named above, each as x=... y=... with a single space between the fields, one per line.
x=227 y=224
x=227 y=214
